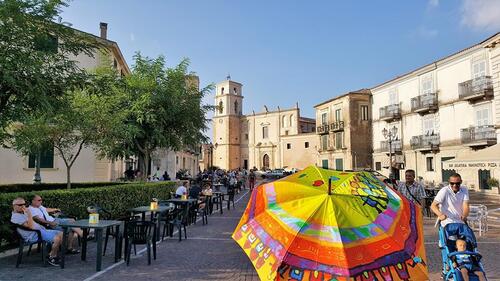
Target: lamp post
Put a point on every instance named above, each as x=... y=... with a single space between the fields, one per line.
x=390 y=135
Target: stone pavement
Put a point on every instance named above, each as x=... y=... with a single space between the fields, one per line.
x=209 y=253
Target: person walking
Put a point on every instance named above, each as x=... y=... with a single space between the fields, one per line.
x=451 y=206
x=411 y=189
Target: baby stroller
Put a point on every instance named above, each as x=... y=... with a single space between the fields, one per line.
x=447 y=245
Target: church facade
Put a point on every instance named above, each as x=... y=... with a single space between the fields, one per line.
x=268 y=139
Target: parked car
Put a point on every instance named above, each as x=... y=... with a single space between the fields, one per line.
x=275 y=174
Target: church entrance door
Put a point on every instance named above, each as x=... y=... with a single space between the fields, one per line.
x=265 y=161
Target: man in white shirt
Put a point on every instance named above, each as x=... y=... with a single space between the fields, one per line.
x=181 y=190
x=21 y=215
x=451 y=205
x=41 y=216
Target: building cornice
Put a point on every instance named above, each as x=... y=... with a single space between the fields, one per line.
x=433 y=65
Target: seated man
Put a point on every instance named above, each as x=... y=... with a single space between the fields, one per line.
x=41 y=216
x=467 y=262
x=181 y=190
x=21 y=215
x=194 y=191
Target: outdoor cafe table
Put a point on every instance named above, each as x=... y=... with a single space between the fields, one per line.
x=99 y=227
x=144 y=209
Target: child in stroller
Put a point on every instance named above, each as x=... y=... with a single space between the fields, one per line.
x=467 y=262
x=461 y=260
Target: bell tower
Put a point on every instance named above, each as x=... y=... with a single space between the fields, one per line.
x=226 y=124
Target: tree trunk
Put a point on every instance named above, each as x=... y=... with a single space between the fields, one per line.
x=37 y=179
x=68 y=177
x=147 y=159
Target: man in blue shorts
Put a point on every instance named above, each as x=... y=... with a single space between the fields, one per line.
x=41 y=215
x=21 y=215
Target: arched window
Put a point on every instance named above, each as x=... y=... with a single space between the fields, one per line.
x=221 y=107
x=236 y=107
x=234 y=91
x=291 y=120
x=283 y=121
x=222 y=91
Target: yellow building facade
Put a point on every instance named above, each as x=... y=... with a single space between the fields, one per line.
x=260 y=139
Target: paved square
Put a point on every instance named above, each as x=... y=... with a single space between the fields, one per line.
x=209 y=253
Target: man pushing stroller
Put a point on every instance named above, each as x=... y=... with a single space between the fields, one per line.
x=451 y=206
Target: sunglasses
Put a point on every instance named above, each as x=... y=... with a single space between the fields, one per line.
x=456 y=183
x=23 y=204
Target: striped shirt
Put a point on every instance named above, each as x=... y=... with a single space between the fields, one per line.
x=416 y=189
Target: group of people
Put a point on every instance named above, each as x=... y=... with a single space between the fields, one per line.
x=38 y=217
x=451 y=206
x=234 y=179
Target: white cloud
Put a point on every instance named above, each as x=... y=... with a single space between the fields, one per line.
x=433 y=3
x=132 y=37
x=481 y=14
x=427 y=33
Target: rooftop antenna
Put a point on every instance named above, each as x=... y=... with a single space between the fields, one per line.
x=228 y=77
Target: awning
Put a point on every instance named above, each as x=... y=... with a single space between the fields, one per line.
x=488 y=158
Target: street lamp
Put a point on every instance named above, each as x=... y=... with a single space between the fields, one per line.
x=390 y=135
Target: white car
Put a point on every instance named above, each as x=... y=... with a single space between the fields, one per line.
x=276 y=173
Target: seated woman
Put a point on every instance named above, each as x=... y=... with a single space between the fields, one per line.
x=467 y=262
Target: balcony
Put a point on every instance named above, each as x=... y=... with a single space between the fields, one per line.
x=425 y=142
x=337 y=126
x=396 y=146
x=476 y=89
x=478 y=136
x=323 y=129
x=390 y=112
x=426 y=103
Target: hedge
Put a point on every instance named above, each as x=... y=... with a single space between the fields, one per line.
x=74 y=202
x=24 y=187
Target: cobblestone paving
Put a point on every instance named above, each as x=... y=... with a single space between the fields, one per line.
x=209 y=253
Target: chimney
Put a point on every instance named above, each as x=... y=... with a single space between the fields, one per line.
x=104 y=30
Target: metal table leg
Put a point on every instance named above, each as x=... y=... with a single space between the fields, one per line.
x=98 y=233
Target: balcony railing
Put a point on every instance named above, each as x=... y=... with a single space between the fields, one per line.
x=390 y=112
x=396 y=146
x=323 y=129
x=337 y=126
x=425 y=142
x=424 y=103
x=477 y=88
x=479 y=136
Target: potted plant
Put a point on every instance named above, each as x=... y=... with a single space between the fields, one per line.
x=493 y=183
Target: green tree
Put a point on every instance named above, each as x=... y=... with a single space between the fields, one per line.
x=85 y=118
x=164 y=111
x=35 y=58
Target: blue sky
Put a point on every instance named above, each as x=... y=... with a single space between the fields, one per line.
x=285 y=52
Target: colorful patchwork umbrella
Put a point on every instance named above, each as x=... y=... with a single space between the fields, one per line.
x=355 y=228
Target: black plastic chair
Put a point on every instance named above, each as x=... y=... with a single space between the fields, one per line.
x=230 y=198
x=179 y=219
x=22 y=243
x=140 y=233
x=203 y=211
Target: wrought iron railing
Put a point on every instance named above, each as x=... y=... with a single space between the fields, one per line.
x=478 y=134
x=474 y=87
x=425 y=141
x=396 y=146
x=425 y=101
x=337 y=126
x=390 y=111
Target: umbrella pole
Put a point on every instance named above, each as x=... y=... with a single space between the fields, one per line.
x=330 y=186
